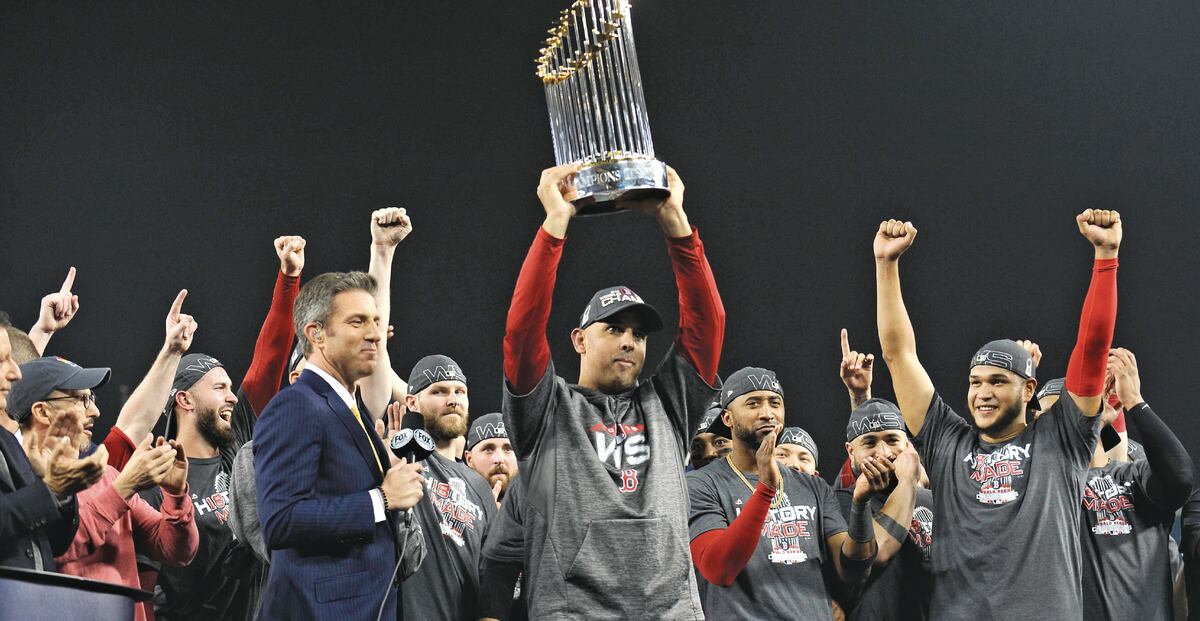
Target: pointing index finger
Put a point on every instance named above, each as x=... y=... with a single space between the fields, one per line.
x=177 y=305
x=845 y=343
x=69 y=282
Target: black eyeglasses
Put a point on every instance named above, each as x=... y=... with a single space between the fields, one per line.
x=84 y=400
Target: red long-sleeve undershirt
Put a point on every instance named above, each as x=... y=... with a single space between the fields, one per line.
x=701 y=313
x=1085 y=372
x=273 y=346
x=723 y=553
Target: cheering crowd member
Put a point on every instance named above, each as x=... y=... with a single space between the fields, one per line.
x=763 y=538
x=39 y=482
x=112 y=517
x=878 y=446
x=458 y=505
x=1128 y=511
x=590 y=522
x=213 y=423
x=326 y=500
x=1004 y=480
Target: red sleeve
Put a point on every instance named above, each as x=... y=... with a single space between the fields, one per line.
x=722 y=554
x=120 y=448
x=701 y=313
x=273 y=346
x=1085 y=372
x=169 y=534
x=526 y=351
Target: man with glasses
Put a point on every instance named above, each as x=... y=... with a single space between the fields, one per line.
x=111 y=514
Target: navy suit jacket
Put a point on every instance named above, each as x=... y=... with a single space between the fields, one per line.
x=314 y=468
x=29 y=515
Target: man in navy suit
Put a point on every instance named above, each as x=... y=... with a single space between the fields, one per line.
x=328 y=494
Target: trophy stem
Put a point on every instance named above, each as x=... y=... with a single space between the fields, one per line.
x=636 y=76
x=626 y=86
x=604 y=57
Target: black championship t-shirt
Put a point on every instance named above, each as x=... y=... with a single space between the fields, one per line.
x=454 y=513
x=898 y=591
x=784 y=578
x=1126 y=563
x=217 y=583
x=1008 y=515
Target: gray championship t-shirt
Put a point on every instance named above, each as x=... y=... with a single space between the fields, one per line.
x=1126 y=562
x=898 y=591
x=784 y=578
x=1008 y=515
x=606 y=501
x=454 y=514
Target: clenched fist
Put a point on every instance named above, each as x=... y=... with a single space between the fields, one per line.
x=1103 y=228
x=892 y=239
x=290 y=250
x=390 y=226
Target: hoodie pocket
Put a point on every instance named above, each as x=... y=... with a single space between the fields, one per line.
x=629 y=560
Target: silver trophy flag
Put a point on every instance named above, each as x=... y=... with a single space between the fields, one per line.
x=598 y=117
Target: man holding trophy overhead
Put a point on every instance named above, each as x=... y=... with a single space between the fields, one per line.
x=602 y=460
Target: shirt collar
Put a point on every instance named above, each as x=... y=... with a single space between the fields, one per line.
x=341 y=391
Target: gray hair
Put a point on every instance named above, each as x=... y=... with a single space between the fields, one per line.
x=315 y=302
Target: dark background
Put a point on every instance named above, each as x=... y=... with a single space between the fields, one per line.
x=161 y=146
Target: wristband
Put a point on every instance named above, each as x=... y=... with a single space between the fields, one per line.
x=859 y=525
x=383 y=496
x=891 y=527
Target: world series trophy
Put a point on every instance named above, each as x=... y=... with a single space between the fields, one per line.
x=598 y=117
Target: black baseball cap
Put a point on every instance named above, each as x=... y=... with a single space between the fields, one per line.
x=486 y=427
x=875 y=415
x=1007 y=354
x=612 y=300
x=799 y=437
x=433 y=369
x=41 y=376
x=749 y=379
x=711 y=421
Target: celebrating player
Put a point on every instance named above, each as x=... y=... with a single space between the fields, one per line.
x=1006 y=492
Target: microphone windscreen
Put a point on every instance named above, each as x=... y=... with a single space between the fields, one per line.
x=412 y=420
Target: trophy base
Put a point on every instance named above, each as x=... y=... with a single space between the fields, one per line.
x=598 y=187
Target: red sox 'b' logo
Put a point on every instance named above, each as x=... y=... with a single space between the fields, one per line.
x=629 y=480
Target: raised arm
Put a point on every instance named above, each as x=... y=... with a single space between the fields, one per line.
x=146 y=404
x=275 y=338
x=389 y=227
x=897 y=342
x=526 y=351
x=857 y=372
x=1085 y=372
x=701 y=312
x=1171 y=468
x=56 y=312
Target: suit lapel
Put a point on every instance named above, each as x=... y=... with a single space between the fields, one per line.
x=344 y=416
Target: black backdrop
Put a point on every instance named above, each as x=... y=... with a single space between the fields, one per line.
x=164 y=146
